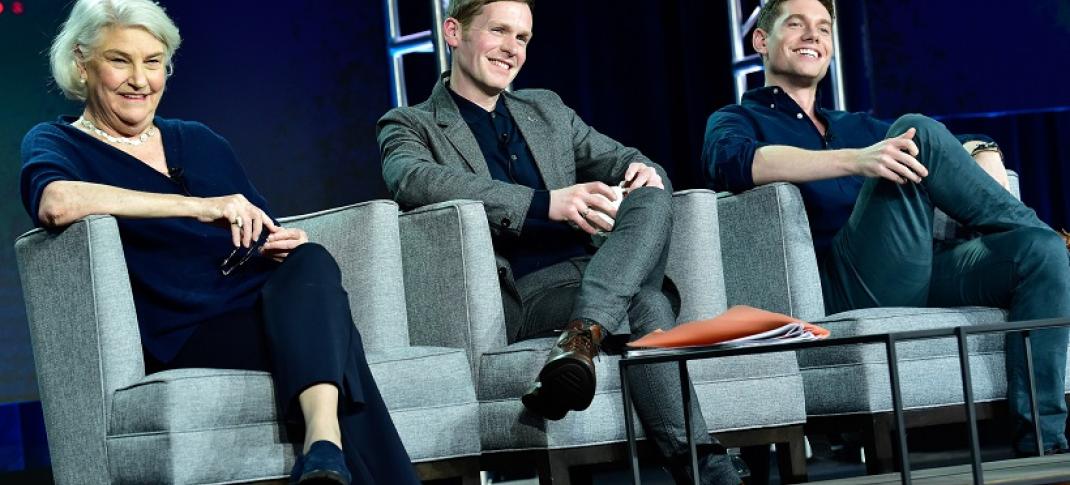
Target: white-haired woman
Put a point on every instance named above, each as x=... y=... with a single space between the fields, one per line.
x=217 y=282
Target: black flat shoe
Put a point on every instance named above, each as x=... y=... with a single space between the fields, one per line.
x=295 y=472
x=324 y=464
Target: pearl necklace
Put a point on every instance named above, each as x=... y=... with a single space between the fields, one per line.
x=133 y=141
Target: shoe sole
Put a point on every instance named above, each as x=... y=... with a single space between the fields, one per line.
x=538 y=405
x=568 y=384
x=322 y=478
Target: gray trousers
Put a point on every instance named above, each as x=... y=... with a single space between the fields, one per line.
x=620 y=287
x=885 y=256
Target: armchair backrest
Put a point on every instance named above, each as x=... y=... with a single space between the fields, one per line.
x=768 y=252
x=83 y=328
x=451 y=279
x=695 y=261
x=364 y=239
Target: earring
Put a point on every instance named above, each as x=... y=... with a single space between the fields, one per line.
x=81 y=80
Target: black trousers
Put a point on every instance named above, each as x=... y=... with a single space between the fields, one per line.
x=302 y=332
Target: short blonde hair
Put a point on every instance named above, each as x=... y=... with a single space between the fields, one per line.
x=466 y=10
x=79 y=35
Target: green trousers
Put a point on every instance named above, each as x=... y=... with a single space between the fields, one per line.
x=886 y=256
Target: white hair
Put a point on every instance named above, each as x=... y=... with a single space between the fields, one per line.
x=80 y=34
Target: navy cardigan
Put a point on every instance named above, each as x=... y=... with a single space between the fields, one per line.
x=173 y=262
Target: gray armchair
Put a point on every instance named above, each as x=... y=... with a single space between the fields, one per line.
x=769 y=263
x=452 y=282
x=109 y=422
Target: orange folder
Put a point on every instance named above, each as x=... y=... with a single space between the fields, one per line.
x=737 y=322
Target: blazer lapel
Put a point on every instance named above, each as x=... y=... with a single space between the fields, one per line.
x=539 y=139
x=456 y=130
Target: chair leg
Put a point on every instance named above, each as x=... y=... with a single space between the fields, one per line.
x=757 y=459
x=878 y=444
x=791 y=458
x=553 y=470
x=456 y=470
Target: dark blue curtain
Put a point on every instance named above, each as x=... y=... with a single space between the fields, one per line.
x=297 y=88
x=1034 y=146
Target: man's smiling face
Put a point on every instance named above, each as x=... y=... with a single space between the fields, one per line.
x=489 y=52
x=798 y=49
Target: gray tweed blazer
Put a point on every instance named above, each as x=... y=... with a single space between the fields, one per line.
x=430 y=155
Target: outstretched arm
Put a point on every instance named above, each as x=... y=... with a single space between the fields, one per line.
x=892 y=158
x=735 y=158
x=65 y=201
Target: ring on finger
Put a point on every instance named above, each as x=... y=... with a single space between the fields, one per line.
x=585 y=212
x=237 y=222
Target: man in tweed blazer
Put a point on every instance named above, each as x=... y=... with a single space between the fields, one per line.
x=545 y=179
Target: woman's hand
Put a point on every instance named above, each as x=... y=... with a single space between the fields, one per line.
x=246 y=220
x=282 y=241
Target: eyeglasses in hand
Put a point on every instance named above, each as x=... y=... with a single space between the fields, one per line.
x=232 y=263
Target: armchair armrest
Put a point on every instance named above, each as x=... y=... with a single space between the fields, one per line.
x=695 y=255
x=768 y=252
x=364 y=239
x=1016 y=187
x=451 y=279
x=84 y=333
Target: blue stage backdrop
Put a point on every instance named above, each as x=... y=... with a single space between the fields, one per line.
x=297 y=88
x=986 y=57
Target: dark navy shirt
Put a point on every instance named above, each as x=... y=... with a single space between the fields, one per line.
x=173 y=262
x=542 y=242
x=768 y=116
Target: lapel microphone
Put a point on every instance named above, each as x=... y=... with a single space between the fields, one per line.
x=177 y=175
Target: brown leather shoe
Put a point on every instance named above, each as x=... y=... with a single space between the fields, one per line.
x=567 y=379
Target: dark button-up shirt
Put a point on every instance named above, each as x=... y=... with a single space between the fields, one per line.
x=542 y=242
x=768 y=116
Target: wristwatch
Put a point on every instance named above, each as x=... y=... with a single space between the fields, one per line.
x=989 y=146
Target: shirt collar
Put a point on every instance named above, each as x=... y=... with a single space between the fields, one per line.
x=474 y=113
x=775 y=98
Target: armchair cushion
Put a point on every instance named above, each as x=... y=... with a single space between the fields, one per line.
x=431 y=399
x=507 y=373
x=854 y=378
x=181 y=400
x=727 y=388
x=237 y=403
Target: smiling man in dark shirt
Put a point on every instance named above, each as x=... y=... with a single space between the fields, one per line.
x=870 y=189
x=544 y=177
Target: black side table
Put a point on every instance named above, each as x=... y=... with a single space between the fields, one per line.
x=682 y=355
